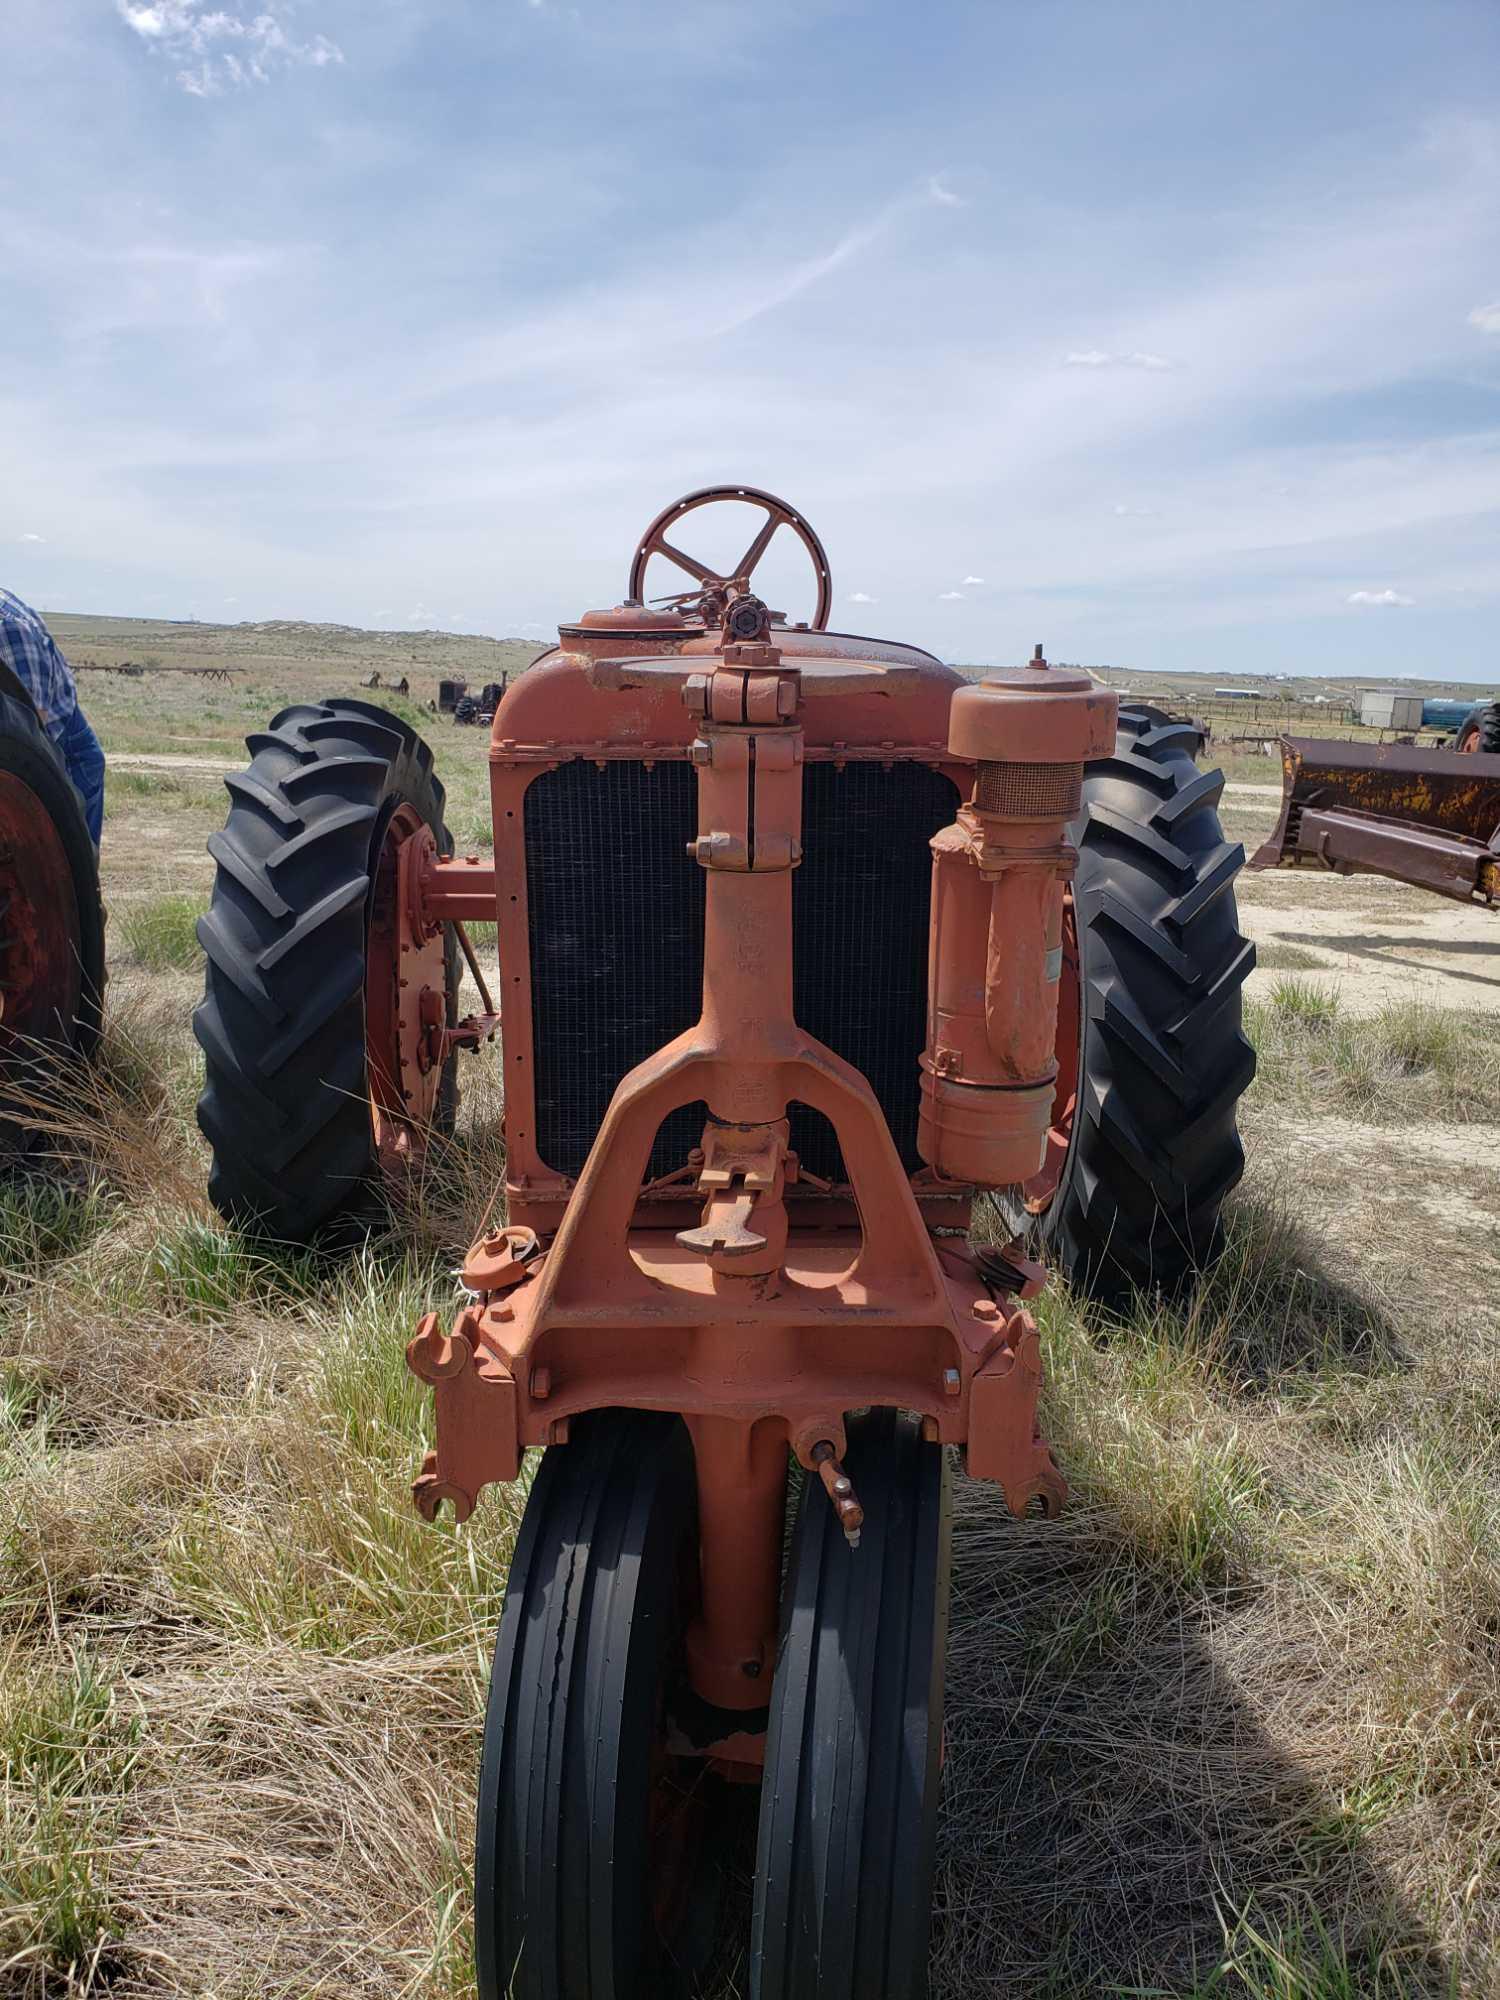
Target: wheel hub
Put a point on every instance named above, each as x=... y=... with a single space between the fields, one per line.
x=41 y=976
x=406 y=1006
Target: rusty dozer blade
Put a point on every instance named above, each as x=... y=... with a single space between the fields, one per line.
x=1426 y=817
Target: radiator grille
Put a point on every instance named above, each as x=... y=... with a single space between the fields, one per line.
x=616 y=932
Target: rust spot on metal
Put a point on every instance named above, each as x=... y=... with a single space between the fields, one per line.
x=1425 y=817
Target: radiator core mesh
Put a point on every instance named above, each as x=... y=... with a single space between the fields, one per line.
x=616 y=937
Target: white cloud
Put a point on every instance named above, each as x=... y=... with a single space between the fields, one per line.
x=973 y=579
x=1096 y=357
x=1386 y=599
x=1137 y=513
x=949 y=596
x=33 y=538
x=188 y=32
x=941 y=193
x=1486 y=318
x=861 y=597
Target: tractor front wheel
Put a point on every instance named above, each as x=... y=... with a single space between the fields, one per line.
x=327 y=1068
x=591 y=1868
x=849 y=1798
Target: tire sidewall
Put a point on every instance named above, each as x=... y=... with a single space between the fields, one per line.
x=27 y=754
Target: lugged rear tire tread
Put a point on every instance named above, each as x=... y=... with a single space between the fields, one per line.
x=282 y=1022
x=1164 y=1061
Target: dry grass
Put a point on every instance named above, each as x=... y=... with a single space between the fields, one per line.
x=1407 y=1063
x=1231 y=1728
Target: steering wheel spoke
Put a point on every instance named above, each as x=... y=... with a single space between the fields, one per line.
x=714 y=586
x=695 y=569
x=746 y=565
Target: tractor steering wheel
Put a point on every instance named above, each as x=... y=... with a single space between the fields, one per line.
x=714 y=591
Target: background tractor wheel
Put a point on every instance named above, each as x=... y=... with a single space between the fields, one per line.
x=51 y=918
x=1481 y=730
x=322 y=1062
x=590 y=1842
x=1152 y=1061
x=849 y=1799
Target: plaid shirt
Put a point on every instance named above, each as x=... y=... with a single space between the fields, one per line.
x=31 y=653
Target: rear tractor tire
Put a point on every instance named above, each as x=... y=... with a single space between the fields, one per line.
x=1480 y=731
x=314 y=1091
x=51 y=922
x=1152 y=1061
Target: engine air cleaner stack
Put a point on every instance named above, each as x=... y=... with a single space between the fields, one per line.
x=998 y=877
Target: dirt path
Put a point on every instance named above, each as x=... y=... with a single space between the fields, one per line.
x=169 y=761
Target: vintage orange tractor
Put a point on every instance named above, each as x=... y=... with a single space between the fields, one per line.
x=806 y=943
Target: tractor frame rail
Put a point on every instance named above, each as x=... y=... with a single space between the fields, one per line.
x=1424 y=817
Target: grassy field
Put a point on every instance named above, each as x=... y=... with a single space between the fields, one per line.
x=1230 y=1728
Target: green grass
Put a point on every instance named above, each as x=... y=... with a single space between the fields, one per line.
x=160 y=787
x=1409 y=1060
x=1304 y=1959
x=1227 y=1729
x=67 y=1754
x=162 y=934
x=42 y=1220
x=345 y=1564
x=1286 y=958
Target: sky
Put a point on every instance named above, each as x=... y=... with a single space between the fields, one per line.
x=1165 y=335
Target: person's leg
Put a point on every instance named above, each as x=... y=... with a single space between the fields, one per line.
x=85 y=761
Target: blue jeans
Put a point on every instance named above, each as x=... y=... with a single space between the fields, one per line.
x=80 y=751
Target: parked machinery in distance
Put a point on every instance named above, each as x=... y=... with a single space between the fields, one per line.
x=471 y=708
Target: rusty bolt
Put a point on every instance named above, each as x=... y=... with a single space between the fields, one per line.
x=702 y=751
x=541 y=1384
x=952 y=1382
x=840 y=1490
x=987 y=1310
x=750 y=1669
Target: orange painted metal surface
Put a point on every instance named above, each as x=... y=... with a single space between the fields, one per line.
x=760 y=1307
x=405 y=995
x=1000 y=874
x=629 y=708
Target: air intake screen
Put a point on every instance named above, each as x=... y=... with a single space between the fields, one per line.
x=616 y=916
